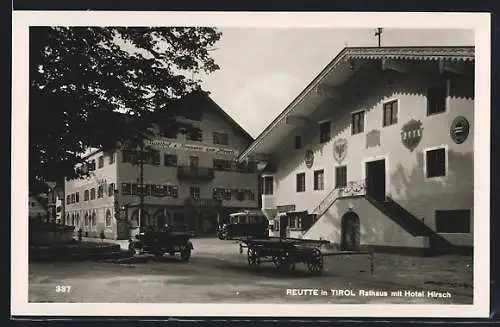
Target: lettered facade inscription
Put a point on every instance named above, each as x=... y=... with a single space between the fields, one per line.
x=411 y=134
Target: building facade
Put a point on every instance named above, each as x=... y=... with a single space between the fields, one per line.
x=377 y=151
x=37 y=207
x=55 y=197
x=187 y=179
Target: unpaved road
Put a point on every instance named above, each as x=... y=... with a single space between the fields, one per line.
x=217 y=273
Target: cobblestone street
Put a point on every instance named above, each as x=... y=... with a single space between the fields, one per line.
x=217 y=272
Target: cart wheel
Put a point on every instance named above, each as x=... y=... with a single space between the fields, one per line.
x=185 y=255
x=283 y=263
x=315 y=263
x=253 y=258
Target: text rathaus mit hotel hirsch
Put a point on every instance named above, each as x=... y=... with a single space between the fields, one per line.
x=188 y=179
x=376 y=151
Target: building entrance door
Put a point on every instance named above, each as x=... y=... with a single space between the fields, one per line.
x=283 y=225
x=375 y=179
x=350 y=232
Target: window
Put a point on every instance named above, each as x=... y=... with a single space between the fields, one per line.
x=435 y=162
x=73 y=198
x=294 y=222
x=77 y=197
x=194 y=136
x=101 y=161
x=170 y=160
x=111 y=158
x=319 y=180
x=111 y=189
x=436 y=99
x=86 y=219
x=268 y=184
x=358 y=122
x=93 y=219
x=129 y=156
x=390 y=113
x=68 y=199
x=171 y=190
x=133 y=190
x=193 y=162
x=194 y=192
x=108 y=218
x=92 y=165
x=324 y=132
x=152 y=158
x=340 y=176
x=452 y=221
x=126 y=188
x=221 y=138
x=92 y=194
x=100 y=191
x=86 y=195
x=301 y=182
x=298 y=142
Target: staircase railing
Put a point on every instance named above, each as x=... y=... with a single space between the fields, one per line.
x=353 y=188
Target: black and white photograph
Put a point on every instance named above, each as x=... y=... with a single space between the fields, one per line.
x=253 y=164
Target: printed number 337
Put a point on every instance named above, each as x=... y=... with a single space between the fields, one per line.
x=63 y=288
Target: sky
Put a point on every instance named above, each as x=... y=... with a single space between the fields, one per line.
x=263 y=69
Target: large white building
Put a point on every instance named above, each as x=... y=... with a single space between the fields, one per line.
x=191 y=179
x=376 y=151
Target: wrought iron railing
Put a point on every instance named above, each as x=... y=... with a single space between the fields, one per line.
x=353 y=188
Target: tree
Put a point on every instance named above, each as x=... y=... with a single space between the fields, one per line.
x=92 y=87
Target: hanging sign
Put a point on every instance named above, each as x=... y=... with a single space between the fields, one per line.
x=459 y=129
x=340 y=150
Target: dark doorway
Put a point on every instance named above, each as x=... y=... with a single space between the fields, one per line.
x=375 y=179
x=350 y=234
x=283 y=225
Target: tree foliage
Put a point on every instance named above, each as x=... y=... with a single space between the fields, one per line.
x=82 y=76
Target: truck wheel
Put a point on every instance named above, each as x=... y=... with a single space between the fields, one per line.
x=185 y=255
x=131 y=250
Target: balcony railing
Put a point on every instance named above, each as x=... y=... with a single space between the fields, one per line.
x=353 y=188
x=195 y=173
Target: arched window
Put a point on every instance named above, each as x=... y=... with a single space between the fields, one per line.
x=77 y=219
x=67 y=219
x=86 y=218
x=93 y=219
x=72 y=219
x=108 y=218
x=134 y=219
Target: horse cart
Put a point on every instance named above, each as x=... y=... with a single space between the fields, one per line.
x=160 y=242
x=284 y=253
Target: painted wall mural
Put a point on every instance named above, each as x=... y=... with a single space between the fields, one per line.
x=340 y=150
x=411 y=134
x=309 y=158
x=373 y=139
x=459 y=129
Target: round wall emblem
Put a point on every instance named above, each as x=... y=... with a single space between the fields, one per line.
x=459 y=129
x=309 y=158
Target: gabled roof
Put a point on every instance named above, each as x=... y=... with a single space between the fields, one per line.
x=337 y=72
x=194 y=96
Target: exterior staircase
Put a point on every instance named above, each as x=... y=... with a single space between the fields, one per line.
x=411 y=224
x=391 y=209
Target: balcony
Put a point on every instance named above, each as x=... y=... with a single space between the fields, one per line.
x=195 y=173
